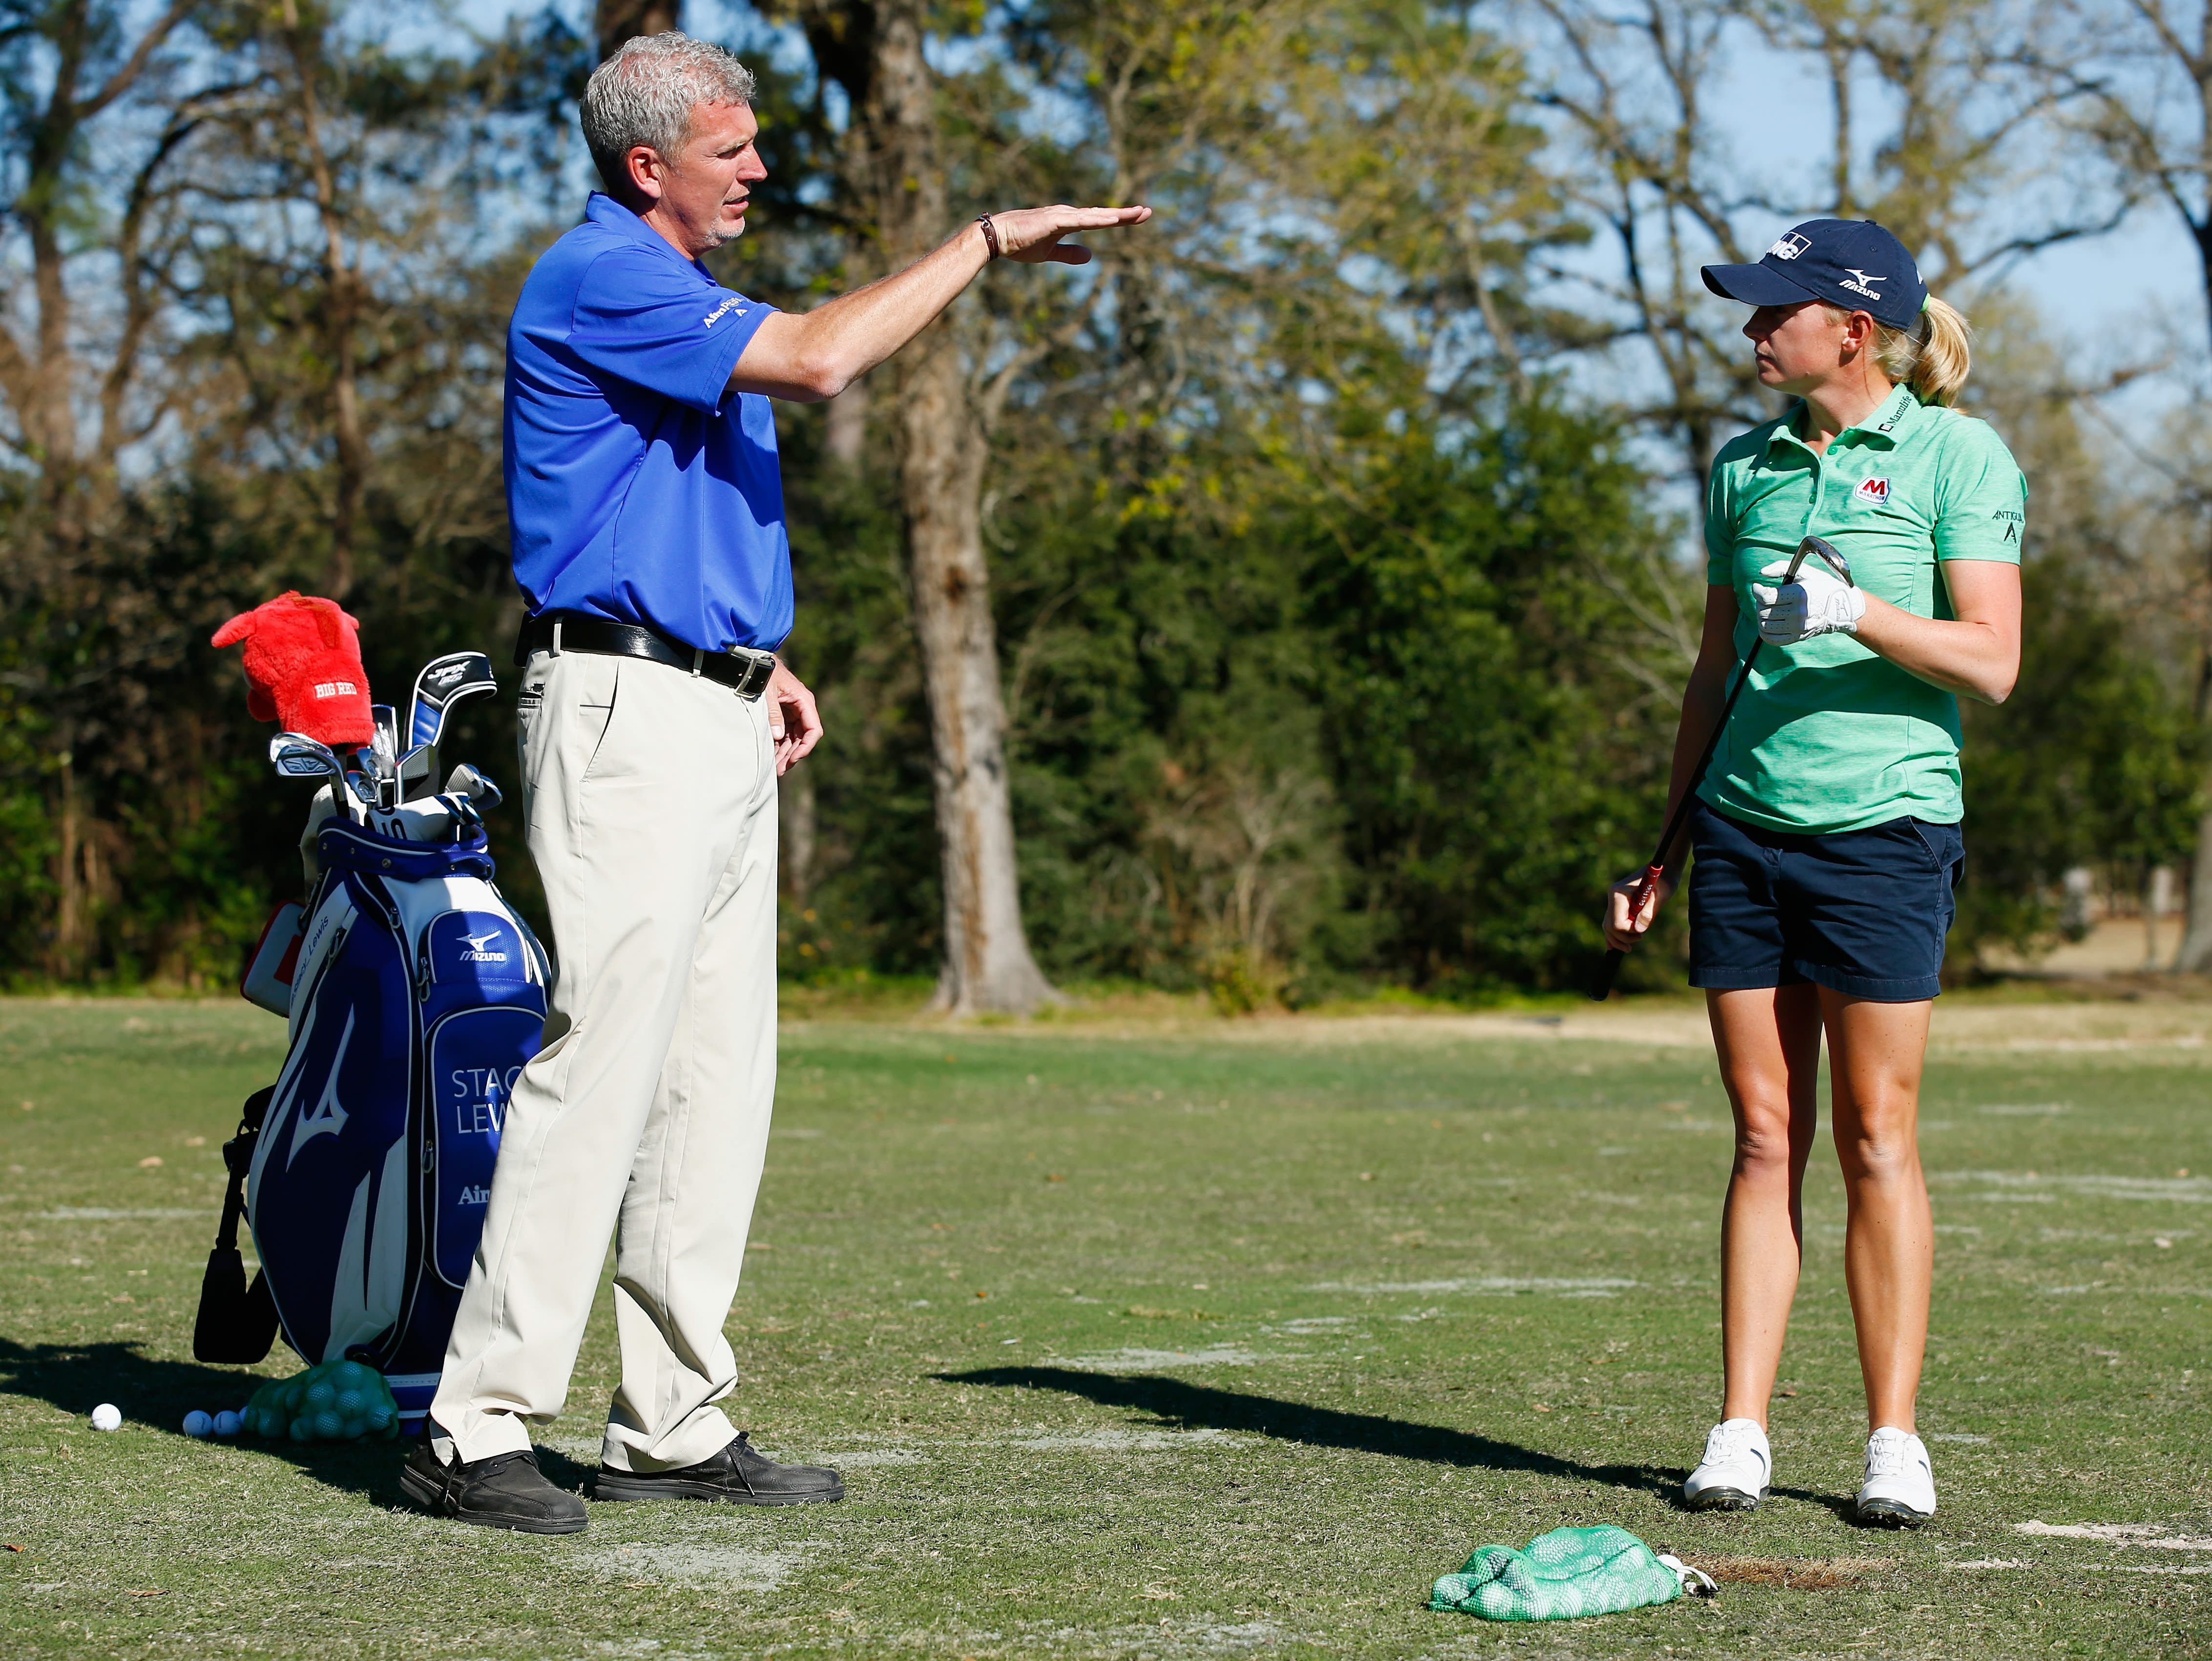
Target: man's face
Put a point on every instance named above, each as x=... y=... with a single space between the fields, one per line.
x=703 y=190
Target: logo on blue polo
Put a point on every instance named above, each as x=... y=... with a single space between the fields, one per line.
x=479 y=1194
x=734 y=303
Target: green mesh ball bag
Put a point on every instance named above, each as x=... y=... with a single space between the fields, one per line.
x=1567 y=1573
x=331 y=1402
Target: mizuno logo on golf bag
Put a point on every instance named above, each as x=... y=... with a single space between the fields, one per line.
x=328 y=1116
x=476 y=953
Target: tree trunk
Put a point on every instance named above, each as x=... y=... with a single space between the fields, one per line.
x=942 y=450
x=2196 y=954
x=342 y=310
x=795 y=841
x=618 y=20
x=72 y=910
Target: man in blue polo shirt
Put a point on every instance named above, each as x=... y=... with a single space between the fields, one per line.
x=648 y=537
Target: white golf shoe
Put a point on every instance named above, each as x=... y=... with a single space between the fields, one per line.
x=1734 y=1474
x=1899 y=1490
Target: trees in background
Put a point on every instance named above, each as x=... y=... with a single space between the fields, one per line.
x=1282 y=601
x=2137 y=82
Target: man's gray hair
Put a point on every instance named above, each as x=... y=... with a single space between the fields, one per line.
x=645 y=93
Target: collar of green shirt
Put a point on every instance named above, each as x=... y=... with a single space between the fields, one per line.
x=1892 y=419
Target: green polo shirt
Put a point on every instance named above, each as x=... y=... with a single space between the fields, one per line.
x=1828 y=736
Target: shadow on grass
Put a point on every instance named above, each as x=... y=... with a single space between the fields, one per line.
x=1200 y=1406
x=157 y=1394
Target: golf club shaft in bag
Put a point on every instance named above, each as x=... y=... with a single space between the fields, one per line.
x=1600 y=986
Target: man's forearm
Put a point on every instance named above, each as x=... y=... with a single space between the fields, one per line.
x=817 y=354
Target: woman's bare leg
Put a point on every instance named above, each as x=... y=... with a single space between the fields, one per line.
x=1876 y=1054
x=1769 y=1042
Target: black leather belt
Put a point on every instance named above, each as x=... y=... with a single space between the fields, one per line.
x=743 y=671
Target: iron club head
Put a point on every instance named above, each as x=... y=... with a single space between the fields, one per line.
x=1829 y=555
x=295 y=755
x=471 y=785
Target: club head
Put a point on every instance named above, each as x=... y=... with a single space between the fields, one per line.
x=1829 y=555
x=295 y=755
x=361 y=776
x=444 y=683
x=464 y=781
x=416 y=765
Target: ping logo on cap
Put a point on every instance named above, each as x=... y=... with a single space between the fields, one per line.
x=1789 y=247
x=1873 y=492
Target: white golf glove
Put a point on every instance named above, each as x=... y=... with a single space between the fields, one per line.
x=1818 y=603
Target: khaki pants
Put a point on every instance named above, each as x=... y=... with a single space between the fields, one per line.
x=650 y=799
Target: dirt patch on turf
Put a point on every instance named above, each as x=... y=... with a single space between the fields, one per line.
x=695 y=1564
x=1797 y=1573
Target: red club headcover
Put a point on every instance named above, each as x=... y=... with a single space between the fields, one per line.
x=303 y=668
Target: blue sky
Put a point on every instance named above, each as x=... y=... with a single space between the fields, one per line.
x=2125 y=292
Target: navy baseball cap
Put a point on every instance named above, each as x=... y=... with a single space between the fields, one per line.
x=1852 y=263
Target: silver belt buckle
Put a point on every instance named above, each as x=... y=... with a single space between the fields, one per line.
x=756 y=666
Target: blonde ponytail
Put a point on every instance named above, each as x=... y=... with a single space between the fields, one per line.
x=1933 y=357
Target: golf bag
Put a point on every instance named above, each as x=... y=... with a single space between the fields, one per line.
x=415 y=996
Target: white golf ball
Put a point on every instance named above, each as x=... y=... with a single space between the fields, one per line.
x=226 y=1423
x=198 y=1423
x=107 y=1416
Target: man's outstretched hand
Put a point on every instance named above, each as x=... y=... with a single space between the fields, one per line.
x=819 y=354
x=1032 y=235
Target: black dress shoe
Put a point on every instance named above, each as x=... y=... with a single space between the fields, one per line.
x=739 y=1475
x=505 y=1491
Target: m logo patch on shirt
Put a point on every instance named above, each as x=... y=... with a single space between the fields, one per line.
x=1873 y=492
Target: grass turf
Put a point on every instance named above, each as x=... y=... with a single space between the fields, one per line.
x=1182 y=1341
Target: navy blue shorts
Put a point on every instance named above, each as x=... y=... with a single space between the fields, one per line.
x=1861 y=913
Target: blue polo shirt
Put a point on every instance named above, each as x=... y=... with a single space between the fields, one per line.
x=638 y=488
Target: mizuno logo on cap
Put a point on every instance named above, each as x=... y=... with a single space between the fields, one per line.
x=1864 y=284
x=1789 y=247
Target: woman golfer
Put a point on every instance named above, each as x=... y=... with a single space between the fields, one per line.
x=1826 y=828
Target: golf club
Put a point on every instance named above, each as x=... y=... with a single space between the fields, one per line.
x=444 y=683
x=387 y=753
x=1601 y=987
x=466 y=782
x=295 y=755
